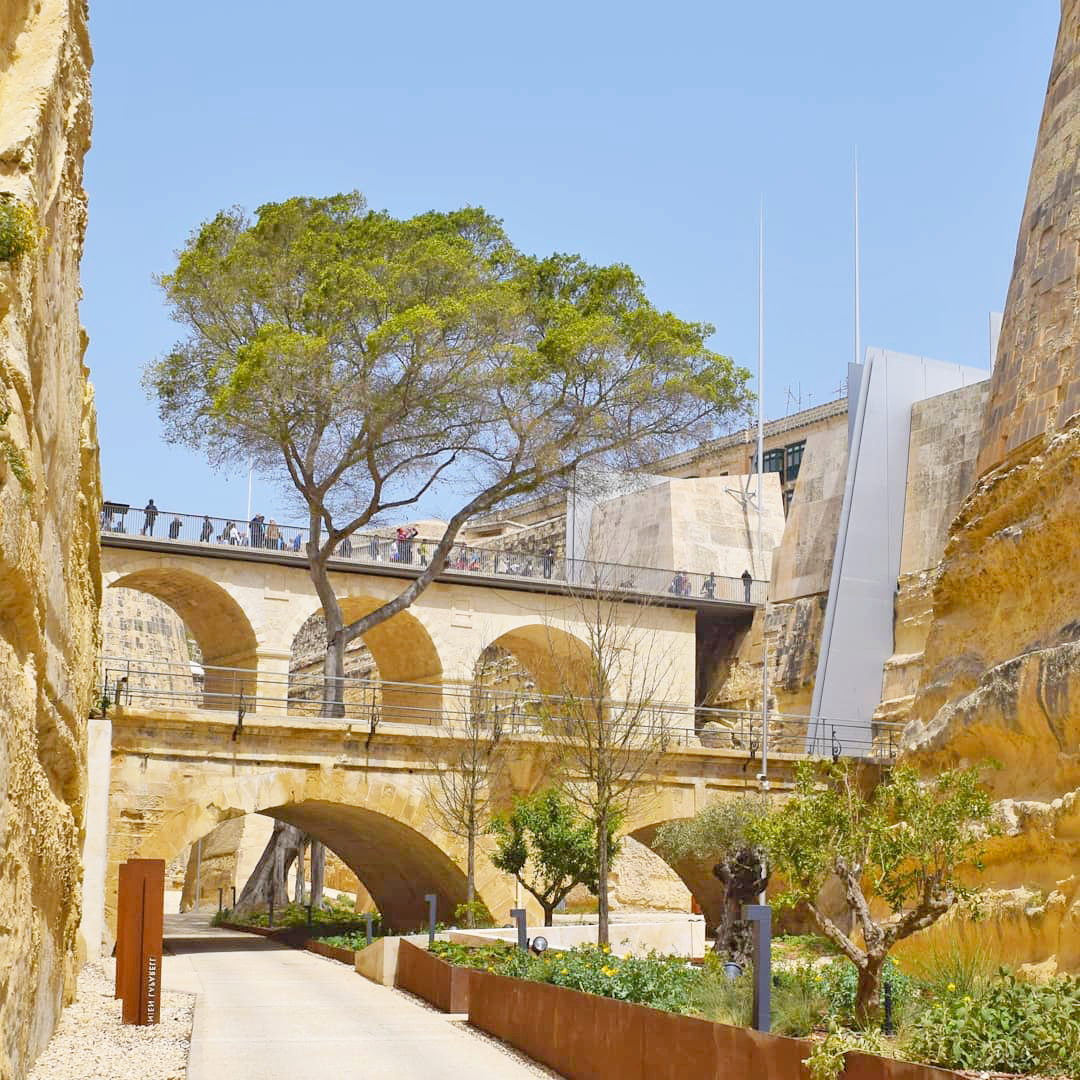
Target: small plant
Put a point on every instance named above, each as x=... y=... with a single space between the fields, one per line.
x=18 y=230
x=1011 y=1026
x=474 y=914
x=953 y=968
x=798 y=1008
x=723 y=1000
x=828 y=1058
x=221 y=917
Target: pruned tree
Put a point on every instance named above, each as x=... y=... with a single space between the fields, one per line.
x=461 y=782
x=906 y=845
x=607 y=717
x=268 y=883
x=549 y=847
x=720 y=834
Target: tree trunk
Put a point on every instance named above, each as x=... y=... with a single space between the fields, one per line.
x=299 y=893
x=868 y=991
x=602 y=880
x=318 y=872
x=549 y=912
x=267 y=882
x=470 y=879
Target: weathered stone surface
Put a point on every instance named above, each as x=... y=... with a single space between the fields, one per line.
x=49 y=505
x=1036 y=385
x=1001 y=671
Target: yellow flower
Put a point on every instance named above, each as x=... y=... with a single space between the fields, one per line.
x=966 y=999
x=605 y=948
x=564 y=972
x=491 y=969
x=951 y=988
x=817 y=978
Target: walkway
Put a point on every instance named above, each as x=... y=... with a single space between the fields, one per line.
x=266 y=1012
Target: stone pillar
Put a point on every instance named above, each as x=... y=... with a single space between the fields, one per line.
x=271 y=682
x=95 y=851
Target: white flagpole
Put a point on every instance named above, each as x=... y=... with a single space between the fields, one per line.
x=858 y=306
x=764 y=777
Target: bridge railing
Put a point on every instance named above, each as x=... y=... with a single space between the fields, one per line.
x=378 y=705
x=379 y=549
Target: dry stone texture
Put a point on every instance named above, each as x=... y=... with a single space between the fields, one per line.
x=1001 y=672
x=49 y=505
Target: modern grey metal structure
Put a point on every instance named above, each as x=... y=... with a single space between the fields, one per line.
x=857 y=637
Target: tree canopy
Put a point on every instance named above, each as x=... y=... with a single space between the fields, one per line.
x=548 y=847
x=367 y=361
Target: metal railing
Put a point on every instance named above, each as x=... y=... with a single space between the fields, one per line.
x=414 y=554
x=374 y=703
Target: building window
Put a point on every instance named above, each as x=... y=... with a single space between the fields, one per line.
x=794 y=454
x=774 y=461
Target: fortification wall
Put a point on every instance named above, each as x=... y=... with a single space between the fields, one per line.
x=49 y=505
x=1001 y=672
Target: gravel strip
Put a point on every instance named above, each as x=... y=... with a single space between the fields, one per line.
x=91 y=1041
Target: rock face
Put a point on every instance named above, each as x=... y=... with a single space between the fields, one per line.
x=1001 y=671
x=49 y=505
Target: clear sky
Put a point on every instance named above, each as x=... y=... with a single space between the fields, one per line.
x=642 y=133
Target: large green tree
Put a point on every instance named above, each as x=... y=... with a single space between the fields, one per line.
x=907 y=844
x=368 y=361
x=549 y=847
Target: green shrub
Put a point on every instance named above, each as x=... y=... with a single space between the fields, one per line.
x=829 y=1057
x=18 y=230
x=482 y=918
x=1010 y=1026
x=798 y=1008
x=351 y=939
x=836 y=983
x=954 y=968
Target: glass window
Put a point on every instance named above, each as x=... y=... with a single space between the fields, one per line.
x=774 y=461
x=794 y=454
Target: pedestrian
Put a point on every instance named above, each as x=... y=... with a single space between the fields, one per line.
x=273 y=536
x=207 y=530
x=708 y=588
x=258 y=531
x=174 y=528
x=346 y=548
x=150 y=512
x=297 y=541
x=231 y=535
x=373 y=546
x=424 y=552
x=747 y=581
x=549 y=561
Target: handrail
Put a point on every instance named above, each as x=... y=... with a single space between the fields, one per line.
x=162 y=526
x=373 y=702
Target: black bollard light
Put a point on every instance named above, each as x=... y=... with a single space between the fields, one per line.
x=887 y=1027
x=220 y=900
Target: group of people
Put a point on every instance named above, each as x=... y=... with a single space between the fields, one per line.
x=681 y=586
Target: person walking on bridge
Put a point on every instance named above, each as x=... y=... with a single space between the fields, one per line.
x=207 y=533
x=747 y=582
x=150 y=511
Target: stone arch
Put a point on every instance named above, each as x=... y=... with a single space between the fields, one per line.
x=554 y=659
x=219 y=624
x=382 y=834
x=405 y=655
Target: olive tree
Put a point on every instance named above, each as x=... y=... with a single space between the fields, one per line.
x=368 y=362
x=720 y=834
x=907 y=845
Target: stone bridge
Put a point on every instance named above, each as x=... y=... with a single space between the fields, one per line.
x=175 y=775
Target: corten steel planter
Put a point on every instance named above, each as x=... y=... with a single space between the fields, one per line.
x=333 y=952
x=446 y=986
x=587 y=1037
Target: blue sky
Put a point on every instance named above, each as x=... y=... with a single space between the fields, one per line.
x=626 y=132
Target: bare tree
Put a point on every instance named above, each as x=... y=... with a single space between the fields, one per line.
x=607 y=717
x=461 y=782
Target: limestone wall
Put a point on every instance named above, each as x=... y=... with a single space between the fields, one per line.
x=700 y=525
x=49 y=504
x=1001 y=672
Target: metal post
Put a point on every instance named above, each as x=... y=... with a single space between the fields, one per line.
x=198 y=874
x=234 y=898
x=270 y=913
x=220 y=900
x=887 y=1026
x=761 y=917
x=367 y=927
x=432 y=900
x=518 y=915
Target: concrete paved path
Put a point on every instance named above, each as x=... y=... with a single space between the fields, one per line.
x=266 y=1012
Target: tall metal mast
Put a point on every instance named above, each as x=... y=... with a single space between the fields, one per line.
x=764 y=775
